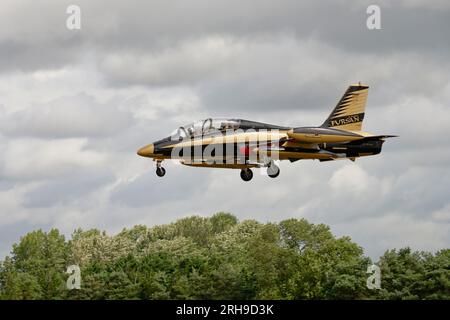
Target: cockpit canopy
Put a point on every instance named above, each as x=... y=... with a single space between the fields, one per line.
x=210 y=126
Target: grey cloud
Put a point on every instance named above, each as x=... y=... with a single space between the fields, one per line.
x=67 y=189
x=70 y=116
x=10 y=234
x=23 y=56
x=155 y=65
x=115 y=26
x=148 y=190
x=38 y=159
x=280 y=73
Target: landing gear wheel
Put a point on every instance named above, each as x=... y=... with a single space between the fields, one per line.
x=273 y=170
x=246 y=174
x=160 y=171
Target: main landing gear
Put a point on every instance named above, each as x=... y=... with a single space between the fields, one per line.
x=273 y=171
x=246 y=174
x=160 y=171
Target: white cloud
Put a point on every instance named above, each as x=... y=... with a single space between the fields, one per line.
x=41 y=159
x=11 y=203
x=69 y=116
x=350 y=178
x=75 y=106
x=396 y=230
x=192 y=61
x=427 y=4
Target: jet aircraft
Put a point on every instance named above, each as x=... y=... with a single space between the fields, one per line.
x=243 y=144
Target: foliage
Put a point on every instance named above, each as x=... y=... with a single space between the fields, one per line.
x=415 y=275
x=216 y=258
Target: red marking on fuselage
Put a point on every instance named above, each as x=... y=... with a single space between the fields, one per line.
x=245 y=150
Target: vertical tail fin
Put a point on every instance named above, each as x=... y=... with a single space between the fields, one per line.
x=349 y=112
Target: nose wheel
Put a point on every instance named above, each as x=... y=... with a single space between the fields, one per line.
x=160 y=171
x=246 y=174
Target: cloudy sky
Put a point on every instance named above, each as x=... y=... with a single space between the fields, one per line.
x=76 y=104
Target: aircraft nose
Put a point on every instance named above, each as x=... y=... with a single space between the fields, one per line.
x=146 y=151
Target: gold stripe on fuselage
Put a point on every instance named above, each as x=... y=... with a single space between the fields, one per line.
x=242 y=137
x=308 y=141
x=321 y=138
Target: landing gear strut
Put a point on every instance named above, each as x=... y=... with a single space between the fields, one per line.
x=160 y=171
x=246 y=174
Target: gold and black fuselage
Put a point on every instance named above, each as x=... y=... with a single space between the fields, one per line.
x=243 y=144
x=235 y=148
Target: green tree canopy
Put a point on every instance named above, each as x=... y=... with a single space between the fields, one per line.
x=216 y=258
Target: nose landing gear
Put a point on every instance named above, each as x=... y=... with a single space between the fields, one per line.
x=160 y=171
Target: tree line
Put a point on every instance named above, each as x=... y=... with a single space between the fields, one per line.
x=216 y=258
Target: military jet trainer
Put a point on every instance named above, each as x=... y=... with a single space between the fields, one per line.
x=243 y=144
